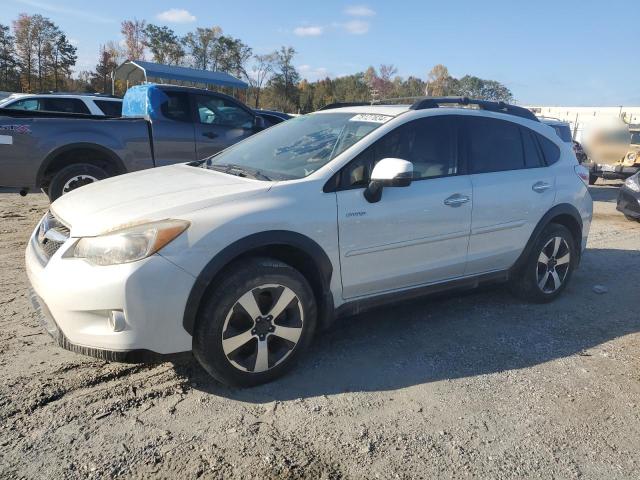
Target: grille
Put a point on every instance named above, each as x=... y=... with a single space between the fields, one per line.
x=51 y=235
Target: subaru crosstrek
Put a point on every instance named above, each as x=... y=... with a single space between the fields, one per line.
x=241 y=257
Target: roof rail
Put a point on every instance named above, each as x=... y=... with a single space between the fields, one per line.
x=344 y=104
x=500 y=107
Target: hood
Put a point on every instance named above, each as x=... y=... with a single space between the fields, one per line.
x=149 y=195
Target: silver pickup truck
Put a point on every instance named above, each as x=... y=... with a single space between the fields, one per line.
x=161 y=125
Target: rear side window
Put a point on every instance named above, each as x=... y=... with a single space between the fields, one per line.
x=549 y=149
x=532 y=153
x=64 y=105
x=111 y=109
x=26 y=104
x=177 y=107
x=494 y=145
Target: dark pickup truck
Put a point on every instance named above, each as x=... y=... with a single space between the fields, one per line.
x=161 y=125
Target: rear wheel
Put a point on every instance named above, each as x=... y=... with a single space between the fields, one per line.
x=72 y=177
x=256 y=323
x=549 y=266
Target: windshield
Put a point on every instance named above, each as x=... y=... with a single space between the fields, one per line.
x=298 y=147
x=635 y=138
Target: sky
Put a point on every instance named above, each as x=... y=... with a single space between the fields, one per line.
x=562 y=52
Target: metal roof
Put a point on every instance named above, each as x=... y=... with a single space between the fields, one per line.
x=141 y=71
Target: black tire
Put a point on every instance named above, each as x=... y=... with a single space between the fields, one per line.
x=592 y=179
x=88 y=174
x=221 y=305
x=525 y=284
x=631 y=219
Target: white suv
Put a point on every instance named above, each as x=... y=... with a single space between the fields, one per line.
x=242 y=256
x=88 y=104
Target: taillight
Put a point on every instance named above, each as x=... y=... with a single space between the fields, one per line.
x=583 y=173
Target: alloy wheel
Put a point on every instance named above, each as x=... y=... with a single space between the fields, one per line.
x=262 y=328
x=553 y=265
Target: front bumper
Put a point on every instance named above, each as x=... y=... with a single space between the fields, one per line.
x=78 y=297
x=629 y=202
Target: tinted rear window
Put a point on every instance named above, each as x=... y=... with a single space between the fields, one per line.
x=66 y=105
x=111 y=109
x=494 y=145
x=549 y=149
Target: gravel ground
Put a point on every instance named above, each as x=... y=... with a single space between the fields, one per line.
x=474 y=384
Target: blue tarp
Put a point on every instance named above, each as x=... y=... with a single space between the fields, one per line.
x=138 y=70
x=143 y=101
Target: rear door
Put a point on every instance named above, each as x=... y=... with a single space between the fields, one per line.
x=173 y=130
x=220 y=122
x=512 y=189
x=414 y=235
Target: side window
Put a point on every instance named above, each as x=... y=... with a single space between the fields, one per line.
x=549 y=149
x=109 y=108
x=494 y=145
x=177 y=107
x=26 y=104
x=214 y=110
x=65 y=105
x=429 y=143
x=532 y=154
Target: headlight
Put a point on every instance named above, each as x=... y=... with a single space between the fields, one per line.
x=633 y=183
x=632 y=156
x=129 y=244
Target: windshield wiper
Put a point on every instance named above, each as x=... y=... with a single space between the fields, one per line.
x=239 y=171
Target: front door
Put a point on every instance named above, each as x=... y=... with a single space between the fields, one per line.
x=220 y=123
x=414 y=235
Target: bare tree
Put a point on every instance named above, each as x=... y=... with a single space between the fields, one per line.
x=261 y=70
x=134 y=38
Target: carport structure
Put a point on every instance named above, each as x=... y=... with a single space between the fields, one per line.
x=137 y=71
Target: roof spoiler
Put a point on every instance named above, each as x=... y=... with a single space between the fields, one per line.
x=500 y=107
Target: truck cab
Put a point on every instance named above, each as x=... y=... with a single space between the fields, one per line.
x=190 y=123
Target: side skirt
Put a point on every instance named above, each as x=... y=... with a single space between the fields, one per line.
x=355 y=307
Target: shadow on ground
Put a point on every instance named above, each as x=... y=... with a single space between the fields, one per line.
x=607 y=192
x=459 y=335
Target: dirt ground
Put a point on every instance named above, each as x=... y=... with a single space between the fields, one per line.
x=468 y=385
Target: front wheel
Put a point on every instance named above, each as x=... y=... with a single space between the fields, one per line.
x=72 y=177
x=548 y=267
x=255 y=323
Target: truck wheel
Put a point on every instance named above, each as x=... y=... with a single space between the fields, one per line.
x=256 y=323
x=592 y=179
x=72 y=177
x=549 y=266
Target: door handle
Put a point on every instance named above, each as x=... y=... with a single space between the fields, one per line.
x=456 y=200
x=209 y=134
x=540 y=187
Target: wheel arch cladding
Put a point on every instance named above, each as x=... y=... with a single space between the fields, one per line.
x=72 y=153
x=564 y=214
x=292 y=248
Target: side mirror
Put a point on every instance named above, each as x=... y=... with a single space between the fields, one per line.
x=388 y=172
x=259 y=123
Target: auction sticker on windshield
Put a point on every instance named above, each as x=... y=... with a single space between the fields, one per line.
x=370 y=117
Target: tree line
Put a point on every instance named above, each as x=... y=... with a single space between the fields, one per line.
x=35 y=56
